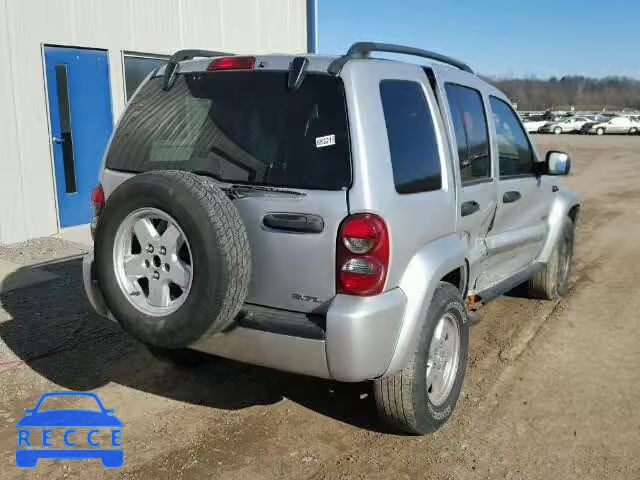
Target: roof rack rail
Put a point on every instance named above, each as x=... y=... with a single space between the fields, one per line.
x=363 y=49
x=181 y=55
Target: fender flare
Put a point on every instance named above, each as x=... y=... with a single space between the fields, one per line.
x=419 y=282
x=563 y=202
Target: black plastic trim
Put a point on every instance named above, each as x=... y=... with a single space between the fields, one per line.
x=282 y=322
x=297 y=71
x=469 y=208
x=294 y=222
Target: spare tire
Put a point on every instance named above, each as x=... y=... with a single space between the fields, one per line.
x=172 y=258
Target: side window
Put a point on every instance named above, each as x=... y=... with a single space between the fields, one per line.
x=472 y=138
x=514 y=151
x=413 y=145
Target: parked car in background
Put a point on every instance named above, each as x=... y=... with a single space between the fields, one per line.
x=566 y=125
x=555 y=116
x=593 y=119
x=534 y=123
x=619 y=125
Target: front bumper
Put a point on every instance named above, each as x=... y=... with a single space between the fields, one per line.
x=357 y=343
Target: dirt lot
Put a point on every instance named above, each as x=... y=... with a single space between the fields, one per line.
x=551 y=392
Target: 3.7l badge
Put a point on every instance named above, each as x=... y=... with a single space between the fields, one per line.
x=305 y=298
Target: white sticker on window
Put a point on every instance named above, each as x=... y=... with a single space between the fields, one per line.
x=325 y=141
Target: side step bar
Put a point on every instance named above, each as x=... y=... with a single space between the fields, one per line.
x=508 y=284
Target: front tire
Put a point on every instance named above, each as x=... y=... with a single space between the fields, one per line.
x=557 y=130
x=633 y=131
x=421 y=398
x=553 y=281
x=600 y=131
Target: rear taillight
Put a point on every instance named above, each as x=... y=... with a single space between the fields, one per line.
x=362 y=256
x=232 y=63
x=97 y=200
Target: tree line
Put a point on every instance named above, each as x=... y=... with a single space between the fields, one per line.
x=584 y=93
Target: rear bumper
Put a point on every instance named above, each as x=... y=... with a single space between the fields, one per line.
x=355 y=341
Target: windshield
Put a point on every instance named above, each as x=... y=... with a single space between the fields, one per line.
x=240 y=127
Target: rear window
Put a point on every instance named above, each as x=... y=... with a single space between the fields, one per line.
x=240 y=127
x=413 y=145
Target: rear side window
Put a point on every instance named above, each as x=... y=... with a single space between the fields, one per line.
x=413 y=145
x=471 y=130
x=514 y=151
x=239 y=127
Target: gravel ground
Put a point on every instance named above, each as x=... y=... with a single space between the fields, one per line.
x=551 y=390
x=40 y=250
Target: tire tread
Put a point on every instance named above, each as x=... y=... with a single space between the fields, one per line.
x=395 y=395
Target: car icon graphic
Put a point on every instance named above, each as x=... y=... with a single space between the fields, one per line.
x=46 y=420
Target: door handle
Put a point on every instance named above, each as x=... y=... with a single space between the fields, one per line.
x=510 y=197
x=469 y=208
x=294 y=222
x=57 y=140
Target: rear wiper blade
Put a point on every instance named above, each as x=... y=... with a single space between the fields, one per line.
x=239 y=189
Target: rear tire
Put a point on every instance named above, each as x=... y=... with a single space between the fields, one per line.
x=633 y=131
x=408 y=401
x=600 y=131
x=557 y=130
x=553 y=281
x=215 y=256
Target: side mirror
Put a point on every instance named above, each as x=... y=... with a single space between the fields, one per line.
x=558 y=163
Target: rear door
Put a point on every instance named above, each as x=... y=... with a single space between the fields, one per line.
x=520 y=225
x=249 y=130
x=477 y=202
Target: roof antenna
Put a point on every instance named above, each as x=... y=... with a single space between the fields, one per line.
x=297 y=72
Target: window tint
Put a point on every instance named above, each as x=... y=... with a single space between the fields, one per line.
x=412 y=139
x=470 y=125
x=240 y=127
x=514 y=152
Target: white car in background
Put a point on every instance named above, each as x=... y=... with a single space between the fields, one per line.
x=628 y=125
x=567 y=125
x=533 y=124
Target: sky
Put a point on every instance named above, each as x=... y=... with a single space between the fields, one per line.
x=503 y=38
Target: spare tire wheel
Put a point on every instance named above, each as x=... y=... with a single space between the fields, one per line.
x=172 y=258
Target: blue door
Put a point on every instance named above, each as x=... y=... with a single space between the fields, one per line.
x=81 y=123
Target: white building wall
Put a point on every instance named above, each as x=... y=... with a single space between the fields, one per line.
x=27 y=192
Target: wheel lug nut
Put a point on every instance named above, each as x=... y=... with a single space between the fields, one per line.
x=150 y=248
x=163 y=250
x=156 y=275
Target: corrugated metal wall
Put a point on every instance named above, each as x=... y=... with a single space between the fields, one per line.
x=27 y=201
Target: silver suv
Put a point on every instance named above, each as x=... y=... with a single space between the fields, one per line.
x=336 y=217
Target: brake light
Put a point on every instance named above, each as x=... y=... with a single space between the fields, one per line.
x=362 y=256
x=232 y=63
x=97 y=199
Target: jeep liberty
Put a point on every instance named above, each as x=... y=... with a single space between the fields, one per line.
x=340 y=217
